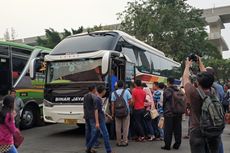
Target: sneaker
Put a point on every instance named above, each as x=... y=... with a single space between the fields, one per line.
x=151 y=138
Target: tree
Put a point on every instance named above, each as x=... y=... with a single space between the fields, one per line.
x=66 y=33
x=53 y=37
x=221 y=67
x=95 y=28
x=168 y=25
x=79 y=30
x=51 y=40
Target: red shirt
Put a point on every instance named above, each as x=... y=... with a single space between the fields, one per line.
x=138 y=96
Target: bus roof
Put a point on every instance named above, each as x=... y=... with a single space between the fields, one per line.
x=132 y=40
x=124 y=35
x=18 y=45
x=22 y=46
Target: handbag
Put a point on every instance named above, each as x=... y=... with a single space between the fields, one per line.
x=18 y=138
x=161 y=123
x=154 y=113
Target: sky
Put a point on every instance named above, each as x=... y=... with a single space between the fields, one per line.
x=30 y=17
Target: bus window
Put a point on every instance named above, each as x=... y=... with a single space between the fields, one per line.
x=18 y=66
x=21 y=52
x=4 y=50
x=145 y=62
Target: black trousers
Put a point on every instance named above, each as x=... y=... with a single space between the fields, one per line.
x=199 y=144
x=172 y=125
x=139 y=120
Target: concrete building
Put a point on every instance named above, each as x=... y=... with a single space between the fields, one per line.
x=216 y=18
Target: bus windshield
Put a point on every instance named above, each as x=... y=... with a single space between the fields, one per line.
x=86 y=43
x=74 y=71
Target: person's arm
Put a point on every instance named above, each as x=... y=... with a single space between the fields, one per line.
x=113 y=98
x=185 y=78
x=96 y=118
x=133 y=98
x=201 y=65
x=129 y=97
x=96 y=107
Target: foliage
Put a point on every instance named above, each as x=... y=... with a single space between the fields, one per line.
x=53 y=37
x=170 y=25
x=221 y=67
x=95 y=28
x=79 y=30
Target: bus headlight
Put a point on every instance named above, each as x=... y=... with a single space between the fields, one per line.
x=47 y=103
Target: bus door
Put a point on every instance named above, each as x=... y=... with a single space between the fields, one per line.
x=129 y=72
x=5 y=71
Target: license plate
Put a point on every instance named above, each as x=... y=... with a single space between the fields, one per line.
x=70 y=121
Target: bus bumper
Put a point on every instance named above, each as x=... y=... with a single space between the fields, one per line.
x=68 y=114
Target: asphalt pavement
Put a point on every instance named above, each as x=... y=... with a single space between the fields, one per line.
x=60 y=138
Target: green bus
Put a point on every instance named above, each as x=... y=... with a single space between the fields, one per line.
x=15 y=59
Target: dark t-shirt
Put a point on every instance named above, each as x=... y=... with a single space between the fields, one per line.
x=99 y=108
x=195 y=101
x=89 y=105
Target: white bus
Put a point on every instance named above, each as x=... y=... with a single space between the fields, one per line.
x=87 y=58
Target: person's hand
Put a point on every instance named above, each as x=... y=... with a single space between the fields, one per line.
x=188 y=63
x=97 y=125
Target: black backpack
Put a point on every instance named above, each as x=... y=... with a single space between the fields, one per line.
x=178 y=105
x=212 y=115
x=121 y=109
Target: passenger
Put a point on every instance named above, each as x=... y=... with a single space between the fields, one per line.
x=122 y=123
x=138 y=99
x=19 y=105
x=113 y=80
x=149 y=104
x=158 y=98
x=172 y=121
x=90 y=112
x=100 y=119
x=7 y=126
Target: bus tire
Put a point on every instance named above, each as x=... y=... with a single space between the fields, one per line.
x=29 y=117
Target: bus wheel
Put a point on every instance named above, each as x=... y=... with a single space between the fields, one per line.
x=28 y=118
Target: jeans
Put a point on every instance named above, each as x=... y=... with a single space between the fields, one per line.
x=105 y=135
x=221 y=147
x=90 y=133
x=12 y=150
x=199 y=144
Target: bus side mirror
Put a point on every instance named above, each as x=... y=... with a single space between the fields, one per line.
x=105 y=63
x=35 y=66
x=32 y=69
